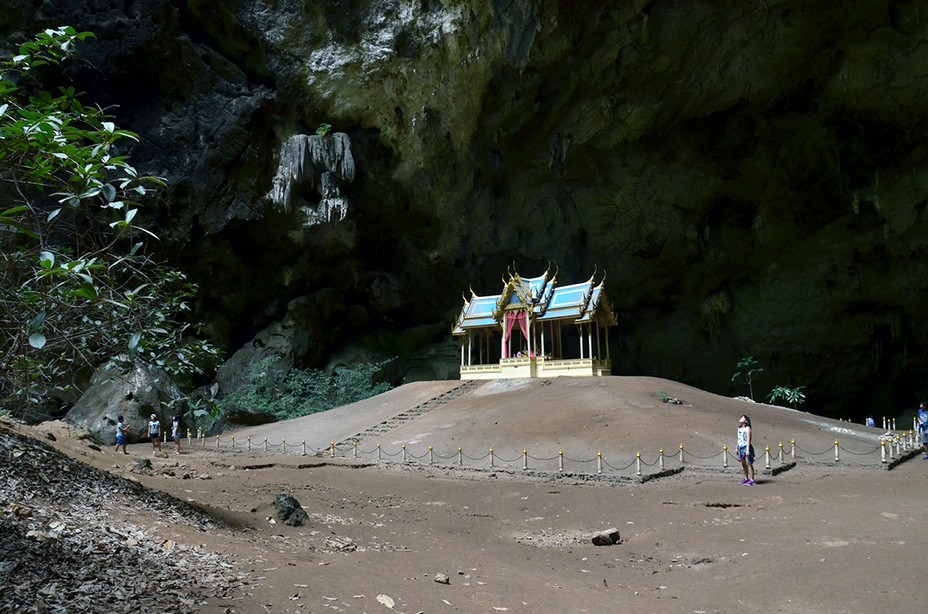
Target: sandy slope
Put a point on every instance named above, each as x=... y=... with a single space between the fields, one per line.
x=820 y=537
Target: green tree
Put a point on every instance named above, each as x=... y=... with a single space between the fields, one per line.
x=78 y=286
x=745 y=372
x=793 y=396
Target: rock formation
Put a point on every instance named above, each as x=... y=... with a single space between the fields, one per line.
x=751 y=175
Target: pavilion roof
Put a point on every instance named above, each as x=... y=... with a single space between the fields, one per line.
x=580 y=302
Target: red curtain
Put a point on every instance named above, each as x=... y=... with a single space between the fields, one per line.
x=511 y=318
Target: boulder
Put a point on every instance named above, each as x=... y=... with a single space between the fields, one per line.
x=289 y=510
x=135 y=392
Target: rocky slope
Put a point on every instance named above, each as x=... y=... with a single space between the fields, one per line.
x=751 y=175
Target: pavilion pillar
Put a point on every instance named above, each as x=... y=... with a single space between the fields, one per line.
x=589 y=332
x=462 y=352
x=470 y=349
x=542 y=340
x=580 y=335
x=528 y=332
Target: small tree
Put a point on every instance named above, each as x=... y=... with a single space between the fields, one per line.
x=794 y=396
x=745 y=372
x=77 y=286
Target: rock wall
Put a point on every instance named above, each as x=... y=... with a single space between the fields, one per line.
x=751 y=174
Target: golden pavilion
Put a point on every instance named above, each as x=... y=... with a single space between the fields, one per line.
x=535 y=328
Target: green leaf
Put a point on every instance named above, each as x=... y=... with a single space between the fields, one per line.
x=134 y=341
x=109 y=192
x=37 y=340
x=86 y=291
x=46 y=260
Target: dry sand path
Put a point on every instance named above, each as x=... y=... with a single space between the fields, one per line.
x=821 y=537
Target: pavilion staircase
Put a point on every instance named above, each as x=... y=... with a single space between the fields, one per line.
x=411 y=414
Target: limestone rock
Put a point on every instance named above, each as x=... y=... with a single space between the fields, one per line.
x=607 y=537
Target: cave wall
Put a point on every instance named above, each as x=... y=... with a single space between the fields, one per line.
x=751 y=175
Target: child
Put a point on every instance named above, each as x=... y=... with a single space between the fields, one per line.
x=154 y=431
x=175 y=433
x=746 y=450
x=121 y=427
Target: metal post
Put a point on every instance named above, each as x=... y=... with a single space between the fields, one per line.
x=836 y=450
x=792 y=450
x=892 y=455
x=404 y=452
x=332 y=449
x=884 y=423
x=217 y=442
x=233 y=442
x=882 y=451
x=524 y=459
x=681 y=454
x=724 y=457
x=767 y=457
x=660 y=458
x=355 y=443
x=249 y=444
x=491 y=458
x=304 y=447
x=638 y=464
x=560 y=460
x=431 y=458
x=599 y=462
x=283 y=445
x=379 y=456
x=265 y=445
x=894 y=424
x=460 y=456
x=780 y=453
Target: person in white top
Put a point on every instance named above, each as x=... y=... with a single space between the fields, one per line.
x=746 y=450
x=154 y=431
x=175 y=433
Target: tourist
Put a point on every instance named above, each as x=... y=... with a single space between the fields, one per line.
x=175 y=433
x=746 y=450
x=871 y=421
x=121 y=427
x=154 y=431
x=923 y=427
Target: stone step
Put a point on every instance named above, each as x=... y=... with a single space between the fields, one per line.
x=411 y=414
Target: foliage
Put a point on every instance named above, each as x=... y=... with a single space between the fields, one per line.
x=77 y=287
x=746 y=370
x=300 y=392
x=794 y=396
x=324 y=130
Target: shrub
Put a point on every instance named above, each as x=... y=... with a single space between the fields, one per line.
x=300 y=392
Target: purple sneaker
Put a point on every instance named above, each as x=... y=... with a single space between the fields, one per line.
x=744 y=481
x=749 y=482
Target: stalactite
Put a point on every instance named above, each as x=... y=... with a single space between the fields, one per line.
x=303 y=158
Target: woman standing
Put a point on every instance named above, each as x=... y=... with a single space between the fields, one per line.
x=746 y=450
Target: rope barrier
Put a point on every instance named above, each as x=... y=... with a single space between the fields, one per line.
x=889 y=448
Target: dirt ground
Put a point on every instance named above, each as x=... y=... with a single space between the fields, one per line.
x=818 y=537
